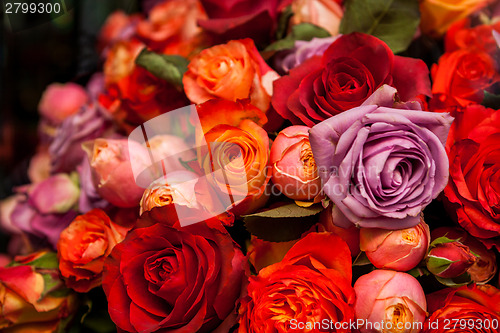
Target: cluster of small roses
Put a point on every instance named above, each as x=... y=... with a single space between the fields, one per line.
x=338 y=125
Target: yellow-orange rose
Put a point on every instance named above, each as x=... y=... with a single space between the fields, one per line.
x=230 y=71
x=438 y=15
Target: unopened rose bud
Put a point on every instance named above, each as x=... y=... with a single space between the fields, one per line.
x=485 y=265
x=449 y=260
x=294 y=168
x=400 y=250
x=61 y=100
x=111 y=162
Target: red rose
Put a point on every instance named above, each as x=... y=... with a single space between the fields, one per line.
x=164 y=279
x=465 y=309
x=307 y=286
x=472 y=194
x=349 y=71
x=462 y=36
x=460 y=78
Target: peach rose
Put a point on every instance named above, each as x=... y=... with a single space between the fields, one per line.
x=438 y=15
x=120 y=61
x=213 y=73
x=326 y=14
x=83 y=247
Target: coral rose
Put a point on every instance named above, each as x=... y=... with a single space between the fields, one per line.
x=83 y=247
x=309 y=285
x=60 y=101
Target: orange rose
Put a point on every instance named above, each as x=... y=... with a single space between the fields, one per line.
x=27 y=299
x=438 y=15
x=236 y=157
x=309 y=285
x=118 y=26
x=171 y=27
x=83 y=247
x=213 y=73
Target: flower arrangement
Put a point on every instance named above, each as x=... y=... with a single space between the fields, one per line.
x=267 y=166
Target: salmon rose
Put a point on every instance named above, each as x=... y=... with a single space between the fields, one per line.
x=213 y=73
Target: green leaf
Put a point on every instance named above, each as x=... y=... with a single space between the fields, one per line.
x=170 y=68
x=283 y=22
x=47 y=261
x=443 y=240
x=458 y=281
x=51 y=282
x=303 y=31
x=283 y=223
x=491 y=100
x=393 y=21
x=418 y=272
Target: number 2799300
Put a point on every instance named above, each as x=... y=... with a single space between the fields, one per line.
x=33 y=7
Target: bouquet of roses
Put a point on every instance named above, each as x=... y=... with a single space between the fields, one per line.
x=267 y=166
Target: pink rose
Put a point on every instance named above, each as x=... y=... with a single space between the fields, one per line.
x=395 y=298
x=61 y=100
x=400 y=250
x=111 y=162
x=326 y=14
x=294 y=169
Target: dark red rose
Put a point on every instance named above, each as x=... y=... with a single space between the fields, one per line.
x=349 y=71
x=163 y=279
x=236 y=19
x=472 y=194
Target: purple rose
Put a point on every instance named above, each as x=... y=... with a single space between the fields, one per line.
x=47 y=207
x=89 y=198
x=302 y=51
x=87 y=124
x=381 y=165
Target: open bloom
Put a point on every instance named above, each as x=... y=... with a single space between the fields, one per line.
x=83 y=247
x=393 y=297
x=294 y=168
x=477 y=306
x=381 y=166
x=308 y=285
x=187 y=280
x=214 y=72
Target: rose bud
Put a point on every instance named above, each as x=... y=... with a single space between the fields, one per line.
x=395 y=298
x=400 y=250
x=32 y=297
x=484 y=267
x=61 y=100
x=449 y=260
x=112 y=172
x=294 y=169
x=83 y=247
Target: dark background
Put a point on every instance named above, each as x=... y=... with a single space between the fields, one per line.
x=36 y=50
